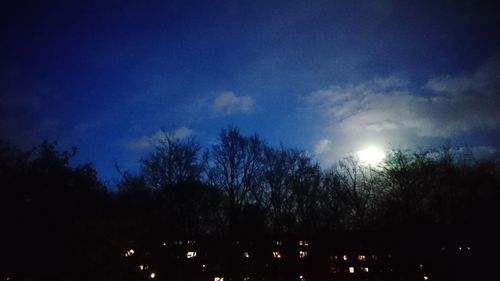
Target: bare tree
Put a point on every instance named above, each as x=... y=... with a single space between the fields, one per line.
x=173 y=161
x=305 y=184
x=356 y=187
x=276 y=195
x=235 y=167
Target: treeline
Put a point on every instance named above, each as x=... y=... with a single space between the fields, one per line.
x=59 y=219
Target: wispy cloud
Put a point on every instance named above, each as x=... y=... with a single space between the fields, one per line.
x=229 y=103
x=388 y=111
x=322 y=146
x=146 y=142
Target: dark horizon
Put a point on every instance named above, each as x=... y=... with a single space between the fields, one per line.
x=197 y=215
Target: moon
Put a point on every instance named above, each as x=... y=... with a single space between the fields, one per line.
x=371 y=156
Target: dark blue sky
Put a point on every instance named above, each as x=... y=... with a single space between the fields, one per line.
x=330 y=77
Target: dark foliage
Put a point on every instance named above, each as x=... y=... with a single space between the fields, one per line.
x=61 y=223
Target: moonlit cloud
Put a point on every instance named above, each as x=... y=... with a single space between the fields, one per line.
x=322 y=146
x=229 y=103
x=388 y=112
x=146 y=142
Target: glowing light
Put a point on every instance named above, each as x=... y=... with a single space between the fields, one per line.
x=302 y=278
x=362 y=258
x=129 y=253
x=426 y=278
x=371 y=156
x=302 y=254
x=191 y=255
x=143 y=267
x=218 y=278
x=351 y=269
x=152 y=275
x=303 y=243
x=344 y=257
x=278 y=243
x=365 y=269
x=246 y=255
x=277 y=255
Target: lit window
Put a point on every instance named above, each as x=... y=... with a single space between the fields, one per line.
x=277 y=255
x=191 y=255
x=351 y=269
x=143 y=267
x=302 y=278
x=303 y=243
x=246 y=254
x=334 y=269
x=278 y=243
x=152 y=275
x=365 y=269
x=247 y=279
x=129 y=253
x=426 y=278
x=191 y=242
x=218 y=278
x=362 y=258
x=344 y=257
x=164 y=244
x=302 y=254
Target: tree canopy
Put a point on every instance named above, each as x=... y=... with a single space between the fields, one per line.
x=238 y=187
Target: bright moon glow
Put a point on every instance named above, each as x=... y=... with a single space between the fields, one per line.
x=371 y=156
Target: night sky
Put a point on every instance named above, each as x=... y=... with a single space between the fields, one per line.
x=330 y=77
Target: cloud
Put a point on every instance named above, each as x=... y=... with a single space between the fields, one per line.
x=322 y=146
x=389 y=111
x=229 y=103
x=483 y=151
x=146 y=142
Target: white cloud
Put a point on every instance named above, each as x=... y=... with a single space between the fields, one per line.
x=182 y=133
x=322 y=146
x=146 y=142
x=388 y=112
x=228 y=103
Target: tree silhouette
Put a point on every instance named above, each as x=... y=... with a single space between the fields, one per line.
x=173 y=161
x=236 y=167
x=56 y=213
x=49 y=206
